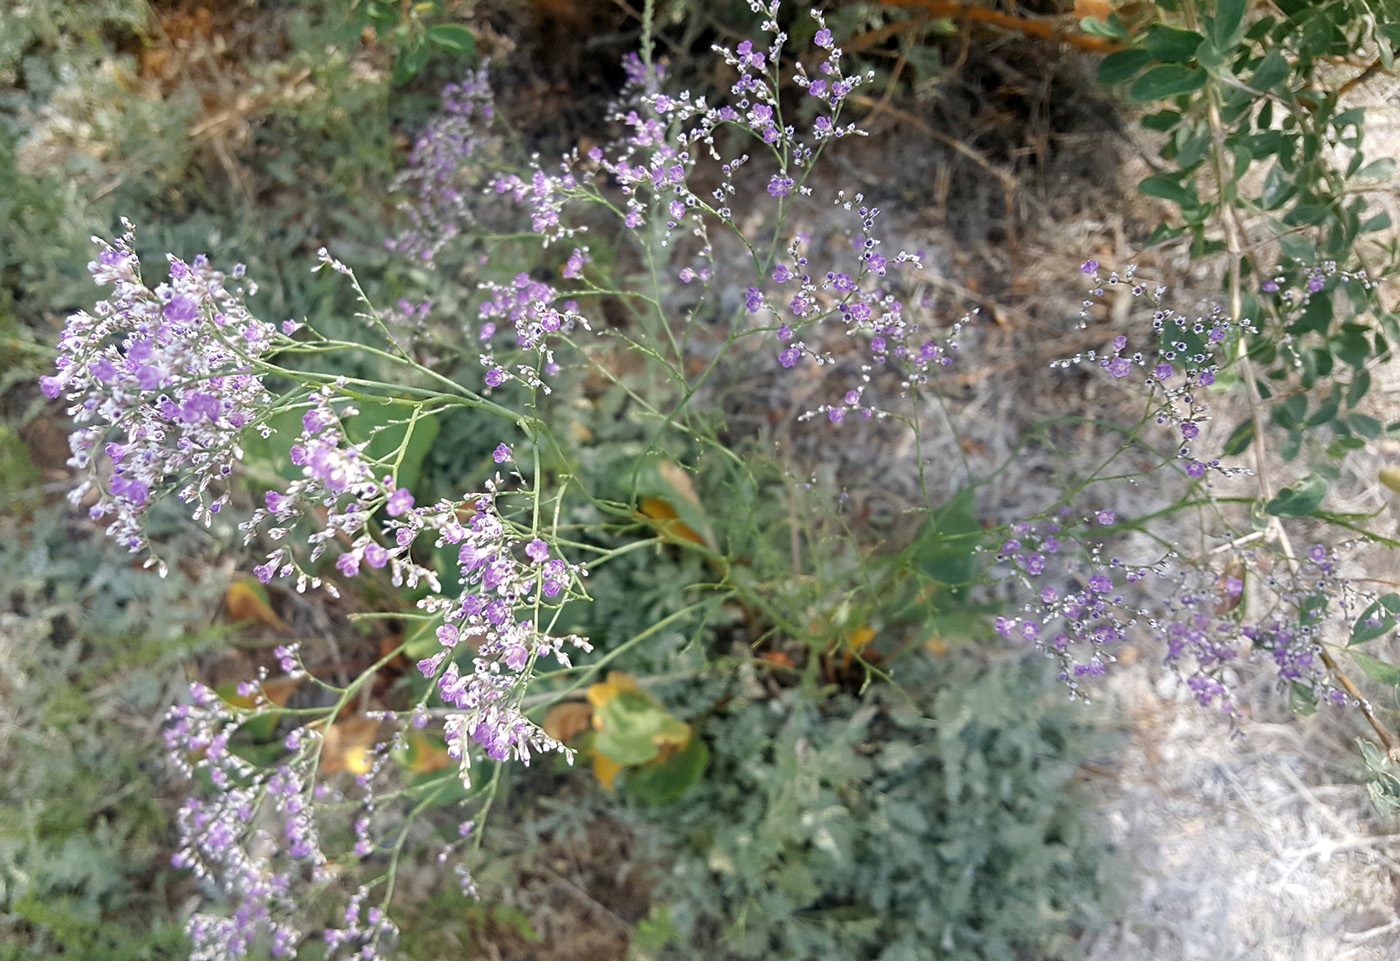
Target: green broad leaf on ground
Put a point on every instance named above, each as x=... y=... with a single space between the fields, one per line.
x=633 y=726
x=1298 y=501
x=667 y=782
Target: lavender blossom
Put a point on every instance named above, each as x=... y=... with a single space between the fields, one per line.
x=162 y=382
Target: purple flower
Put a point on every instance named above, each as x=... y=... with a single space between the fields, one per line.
x=1195 y=469
x=400 y=502
x=1089 y=267
x=1106 y=517
x=823 y=38
x=537 y=550
x=348 y=563
x=1315 y=284
x=1119 y=367
x=1269 y=286
x=501 y=454
x=788 y=358
x=1317 y=553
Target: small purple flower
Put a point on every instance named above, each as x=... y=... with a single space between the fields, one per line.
x=348 y=564
x=1089 y=267
x=1317 y=553
x=836 y=415
x=501 y=454
x=376 y=556
x=823 y=38
x=1100 y=583
x=788 y=358
x=1163 y=372
x=400 y=502
x=1195 y=469
x=1106 y=517
x=537 y=550
x=1234 y=586
x=1315 y=284
x=1270 y=286
x=1120 y=367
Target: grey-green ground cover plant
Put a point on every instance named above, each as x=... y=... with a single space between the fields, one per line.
x=594 y=284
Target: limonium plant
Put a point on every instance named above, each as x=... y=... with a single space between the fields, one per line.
x=169 y=380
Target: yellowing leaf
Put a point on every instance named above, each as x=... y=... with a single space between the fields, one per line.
x=1390 y=477
x=667 y=498
x=663 y=517
x=247 y=601
x=347 y=745
x=860 y=638
x=606 y=769
x=566 y=721
x=600 y=694
x=423 y=754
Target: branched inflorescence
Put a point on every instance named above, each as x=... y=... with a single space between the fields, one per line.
x=163 y=382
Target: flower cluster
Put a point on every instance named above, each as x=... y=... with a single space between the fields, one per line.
x=1085 y=603
x=1182 y=360
x=340 y=488
x=442 y=179
x=254 y=836
x=507 y=584
x=162 y=383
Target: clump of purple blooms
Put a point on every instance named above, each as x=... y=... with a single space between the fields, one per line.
x=162 y=383
x=1086 y=603
x=442 y=179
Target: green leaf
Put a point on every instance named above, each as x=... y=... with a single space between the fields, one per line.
x=1368 y=427
x=1277 y=188
x=1239 y=440
x=1382 y=169
x=1228 y=25
x=1382 y=612
x=1112 y=29
x=1162 y=120
x=1167 y=80
x=632 y=723
x=1271 y=72
x=1123 y=65
x=1298 y=501
x=665 y=783
x=1170 y=45
x=1376 y=669
x=453 y=37
x=1165 y=187
x=1358 y=388
x=1301 y=699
